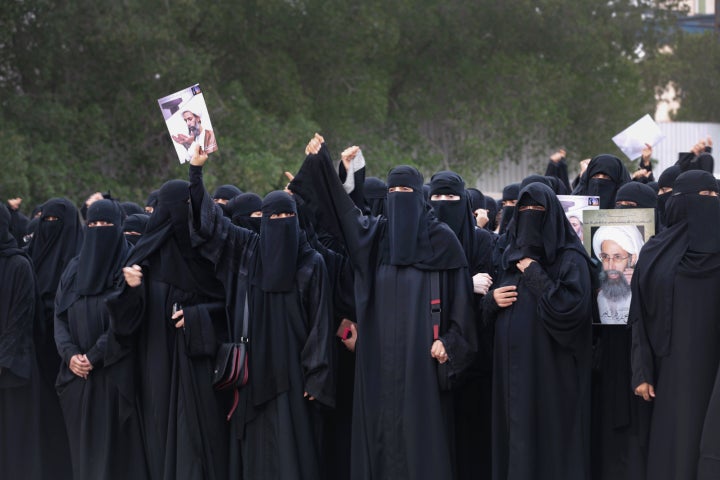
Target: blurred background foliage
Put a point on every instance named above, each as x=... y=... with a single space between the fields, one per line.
x=452 y=84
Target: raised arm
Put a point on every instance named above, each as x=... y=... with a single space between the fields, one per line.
x=322 y=189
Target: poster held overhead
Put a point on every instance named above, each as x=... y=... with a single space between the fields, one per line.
x=632 y=140
x=188 y=122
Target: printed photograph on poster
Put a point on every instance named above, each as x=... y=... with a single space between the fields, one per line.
x=188 y=121
x=574 y=205
x=614 y=238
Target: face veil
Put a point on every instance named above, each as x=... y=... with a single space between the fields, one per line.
x=279 y=242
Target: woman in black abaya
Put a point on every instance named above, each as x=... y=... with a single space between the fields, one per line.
x=542 y=312
x=21 y=454
x=451 y=205
x=676 y=346
x=399 y=428
x=57 y=240
x=170 y=315
x=620 y=419
x=277 y=427
x=102 y=443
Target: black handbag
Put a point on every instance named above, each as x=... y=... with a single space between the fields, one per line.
x=231 y=362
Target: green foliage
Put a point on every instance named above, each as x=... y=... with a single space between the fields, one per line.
x=456 y=84
x=692 y=67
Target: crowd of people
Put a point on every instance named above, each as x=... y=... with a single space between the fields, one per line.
x=394 y=329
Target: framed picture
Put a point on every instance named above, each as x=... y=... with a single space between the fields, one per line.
x=614 y=238
x=574 y=206
x=188 y=122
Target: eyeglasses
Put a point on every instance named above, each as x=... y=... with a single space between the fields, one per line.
x=614 y=258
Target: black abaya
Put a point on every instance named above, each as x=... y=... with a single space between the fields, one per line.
x=169 y=370
x=21 y=449
x=401 y=418
x=277 y=429
x=541 y=363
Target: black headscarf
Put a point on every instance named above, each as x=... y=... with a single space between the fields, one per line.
x=240 y=209
x=536 y=178
x=606 y=189
x=456 y=214
x=130 y=208
x=376 y=195
x=693 y=225
x=279 y=243
x=152 y=199
x=55 y=243
x=103 y=251
x=640 y=193
x=477 y=199
x=540 y=235
x=666 y=180
x=226 y=192
x=136 y=222
x=166 y=244
x=492 y=208
x=510 y=193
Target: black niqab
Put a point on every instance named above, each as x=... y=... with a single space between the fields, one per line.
x=510 y=193
x=279 y=243
x=555 y=232
x=406 y=212
x=606 y=189
x=103 y=251
x=666 y=180
x=455 y=213
x=136 y=222
x=492 y=207
x=241 y=209
x=55 y=243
